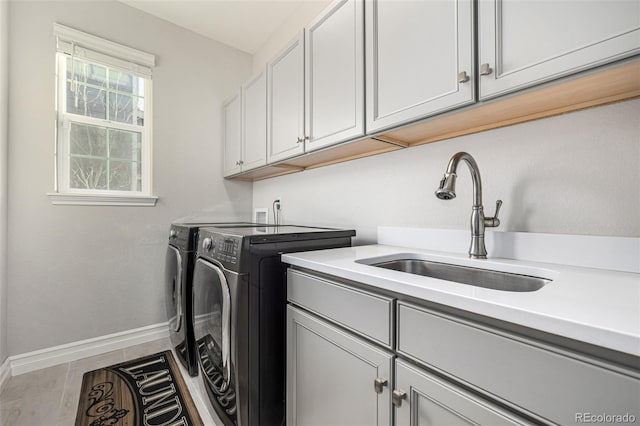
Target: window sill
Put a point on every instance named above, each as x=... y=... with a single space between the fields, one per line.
x=68 y=199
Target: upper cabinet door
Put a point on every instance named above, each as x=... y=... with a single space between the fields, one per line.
x=232 y=135
x=334 y=75
x=419 y=59
x=526 y=42
x=285 y=97
x=254 y=122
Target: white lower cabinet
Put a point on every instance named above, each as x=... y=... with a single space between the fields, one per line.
x=422 y=399
x=438 y=368
x=331 y=375
x=336 y=378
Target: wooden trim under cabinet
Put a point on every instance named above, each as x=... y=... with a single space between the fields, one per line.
x=595 y=88
x=606 y=85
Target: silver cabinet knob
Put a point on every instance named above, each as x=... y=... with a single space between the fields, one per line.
x=485 y=69
x=380 y=383
x=463 y=77
x=397 y=396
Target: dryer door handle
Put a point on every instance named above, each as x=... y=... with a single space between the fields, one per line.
x=226 y=325
x=178 y=291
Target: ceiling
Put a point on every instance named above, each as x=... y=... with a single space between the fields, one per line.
x=243 y=24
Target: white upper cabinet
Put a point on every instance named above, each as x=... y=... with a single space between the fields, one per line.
x=254 y=122
x=232 y=135
x=526 y=42
x=334 y=75
x=419 y=60
x=285 y=107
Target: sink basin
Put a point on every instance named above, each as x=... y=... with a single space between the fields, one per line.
x=496 y=280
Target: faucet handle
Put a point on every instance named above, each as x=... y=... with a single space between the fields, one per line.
x=492 y=222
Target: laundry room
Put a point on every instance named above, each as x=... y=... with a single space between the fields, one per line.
x=149 y=148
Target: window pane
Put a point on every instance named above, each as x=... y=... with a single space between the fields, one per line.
x=125 y=145
x=123 y=108
x=88 y=140
x=86 y=100
x=123 y=82
x=88 y=173
x=86 y=73
x=124 y=176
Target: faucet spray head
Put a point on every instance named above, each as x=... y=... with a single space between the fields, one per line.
x=447 y=189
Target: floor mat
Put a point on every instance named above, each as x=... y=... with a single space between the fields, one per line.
x=146 y=391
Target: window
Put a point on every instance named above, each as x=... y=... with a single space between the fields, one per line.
x=103 y=141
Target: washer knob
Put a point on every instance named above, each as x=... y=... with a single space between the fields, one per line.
x=207 y=244
x=173 y=234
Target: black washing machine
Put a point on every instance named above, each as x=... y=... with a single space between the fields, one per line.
x=239 y=286
x=179 y=263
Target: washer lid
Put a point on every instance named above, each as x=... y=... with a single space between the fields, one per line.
x=270 y=233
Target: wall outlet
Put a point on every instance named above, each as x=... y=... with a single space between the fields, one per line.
x=261 y=215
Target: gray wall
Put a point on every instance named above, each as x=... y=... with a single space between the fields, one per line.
x=577 y=173
x=80 y=272
x=4 y=97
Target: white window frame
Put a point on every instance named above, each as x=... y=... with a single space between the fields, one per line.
x=73 y=43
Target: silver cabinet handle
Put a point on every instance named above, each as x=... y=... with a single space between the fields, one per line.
x=379 y=383
x=300 y=140
x=463 y=77
x=485 y=69
x=397 y=397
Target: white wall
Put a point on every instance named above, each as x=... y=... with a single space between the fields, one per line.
x=80 y=272
x=577 y=173
x=4 y=98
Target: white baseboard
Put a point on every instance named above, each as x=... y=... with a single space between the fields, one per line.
x=5 y=372
x=43 y=358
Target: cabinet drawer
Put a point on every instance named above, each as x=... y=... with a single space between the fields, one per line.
x=554 y=386
x=365 y=313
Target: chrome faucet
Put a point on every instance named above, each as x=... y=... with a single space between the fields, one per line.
x=447 y=191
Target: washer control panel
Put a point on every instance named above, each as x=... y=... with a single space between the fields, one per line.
x=223 y=248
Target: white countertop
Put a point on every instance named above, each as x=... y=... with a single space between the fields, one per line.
x=597 y=306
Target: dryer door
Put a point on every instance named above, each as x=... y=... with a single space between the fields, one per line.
x=212 y=326
x=173 y=288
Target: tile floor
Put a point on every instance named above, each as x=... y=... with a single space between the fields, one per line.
x=49 y=397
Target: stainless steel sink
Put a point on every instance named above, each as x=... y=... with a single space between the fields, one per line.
x=495 y=280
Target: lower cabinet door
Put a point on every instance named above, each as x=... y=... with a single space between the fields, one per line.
x=421 y=398
x=331 y=375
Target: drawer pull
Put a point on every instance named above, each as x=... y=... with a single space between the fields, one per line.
x=379 y=383
x=398 y=396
